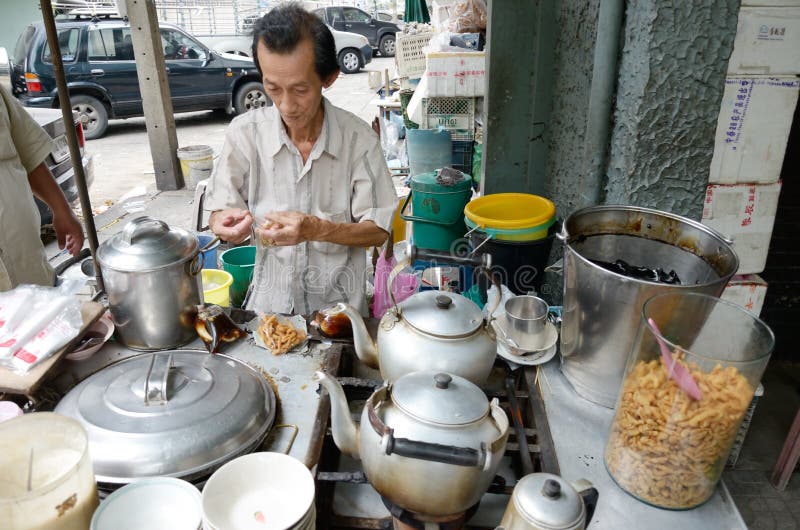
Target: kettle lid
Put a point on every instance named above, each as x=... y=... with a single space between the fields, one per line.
x=443 y=314
x=441 y=398
x=549 y=501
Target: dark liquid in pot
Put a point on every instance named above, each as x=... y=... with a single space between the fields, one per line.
x=640 y=273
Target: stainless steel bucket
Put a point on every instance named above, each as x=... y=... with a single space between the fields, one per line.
x=602 y=308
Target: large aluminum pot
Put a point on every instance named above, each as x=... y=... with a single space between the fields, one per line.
x=602 y=308
x=152 y=277
x=429 y=442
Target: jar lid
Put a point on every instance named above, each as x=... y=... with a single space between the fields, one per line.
x=172 y=413
x=443 y=314
x=548 y=501
x=147 y=244
x=429 y=182
x=437 y=397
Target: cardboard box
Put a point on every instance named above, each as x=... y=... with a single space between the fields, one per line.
x=747 y=291
x=455 y=74
x=753 y=128
x=767 y=42
x=746 y=214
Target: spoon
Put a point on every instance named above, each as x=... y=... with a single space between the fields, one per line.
x=675 y=370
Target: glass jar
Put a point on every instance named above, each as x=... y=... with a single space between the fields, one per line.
x=669 y=441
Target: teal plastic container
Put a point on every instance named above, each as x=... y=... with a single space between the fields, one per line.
x=240 y=262
x=438 y=211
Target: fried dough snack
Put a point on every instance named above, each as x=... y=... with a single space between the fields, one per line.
x=279 y=338
x=666 y=448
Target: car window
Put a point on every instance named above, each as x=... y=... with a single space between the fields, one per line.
x=320 y=13
x=68 y=42
x=351 y=14
x=178 y=46
x=23 y=44
x=110 y=44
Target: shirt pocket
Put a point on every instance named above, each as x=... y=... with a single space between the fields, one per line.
x=324 y=247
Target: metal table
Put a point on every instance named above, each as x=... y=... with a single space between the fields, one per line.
x=579 y=429
x=290 y=375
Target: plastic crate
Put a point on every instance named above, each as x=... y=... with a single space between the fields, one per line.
x=449 y=113
x=405 y=97
x=409 y=57
x=462 y=156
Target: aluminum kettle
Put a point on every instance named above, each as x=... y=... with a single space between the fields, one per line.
x=542 y=501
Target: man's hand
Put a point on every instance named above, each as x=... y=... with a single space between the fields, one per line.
x=232 y=225
x=68 y=231
x=287 y=228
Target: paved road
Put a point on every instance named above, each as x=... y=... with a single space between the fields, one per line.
x=122 y=157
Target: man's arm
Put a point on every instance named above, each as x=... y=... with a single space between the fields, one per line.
x=68 y=229
x=292 y=228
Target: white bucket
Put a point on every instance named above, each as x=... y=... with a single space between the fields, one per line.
x=197 y=161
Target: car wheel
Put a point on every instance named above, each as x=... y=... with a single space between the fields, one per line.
x=349 y=61
x=387 y=46
x=92 y=114
x=250 y=96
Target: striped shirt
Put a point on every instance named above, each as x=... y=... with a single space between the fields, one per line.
x=345 y=180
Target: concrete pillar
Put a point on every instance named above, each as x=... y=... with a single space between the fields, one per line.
x=154 y=86
x=670 y=83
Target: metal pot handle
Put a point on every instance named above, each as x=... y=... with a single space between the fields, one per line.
x=133 y=226
x=156 y=380
x=445 y=454
x=197 y=264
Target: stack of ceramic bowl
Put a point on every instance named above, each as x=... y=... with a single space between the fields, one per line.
x=260 y=491
x=160 y=502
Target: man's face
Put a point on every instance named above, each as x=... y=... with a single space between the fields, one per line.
x=292 y=82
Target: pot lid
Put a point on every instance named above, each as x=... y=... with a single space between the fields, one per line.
x=146 y=244
x=548 y=501
x=442 y=314
x=437 y=397
x=173 y=413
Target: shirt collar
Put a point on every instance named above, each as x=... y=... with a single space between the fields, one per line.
x=331 y=143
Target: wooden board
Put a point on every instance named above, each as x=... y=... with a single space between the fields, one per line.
x=27 y=384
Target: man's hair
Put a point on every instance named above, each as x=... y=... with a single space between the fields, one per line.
x=285 y=26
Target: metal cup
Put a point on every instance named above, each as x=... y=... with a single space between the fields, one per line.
x=526 y=319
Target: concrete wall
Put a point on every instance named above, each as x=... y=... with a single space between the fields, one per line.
x=16 y=15
x=671 y=78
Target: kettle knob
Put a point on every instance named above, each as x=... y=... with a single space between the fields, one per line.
x=443 y=301
x=442 y=380
x=551 y=489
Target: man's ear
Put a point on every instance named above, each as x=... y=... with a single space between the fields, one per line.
x=327 y=82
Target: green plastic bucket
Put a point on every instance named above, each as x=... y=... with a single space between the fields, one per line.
x=239 y=262
x=438 y=210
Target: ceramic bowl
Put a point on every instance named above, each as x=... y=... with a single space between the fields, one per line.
x=259 y=491
x=104 y=327
x=161 y=502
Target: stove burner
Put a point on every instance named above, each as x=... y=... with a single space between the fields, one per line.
x=403 y=519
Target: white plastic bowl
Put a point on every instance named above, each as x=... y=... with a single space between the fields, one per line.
x=258 y=491
x=161 y=502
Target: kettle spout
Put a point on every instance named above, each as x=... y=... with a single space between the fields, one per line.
x=366 y=350
x=343 y=428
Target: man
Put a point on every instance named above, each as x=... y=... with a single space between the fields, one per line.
x=23 y=173
x=308 y=180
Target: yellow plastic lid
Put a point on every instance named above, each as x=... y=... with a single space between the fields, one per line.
x=510 y=210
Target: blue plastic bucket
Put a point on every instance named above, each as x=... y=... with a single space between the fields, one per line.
x=210 y=255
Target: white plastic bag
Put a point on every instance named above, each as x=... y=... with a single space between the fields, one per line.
x=36 y=322
x=491 y=296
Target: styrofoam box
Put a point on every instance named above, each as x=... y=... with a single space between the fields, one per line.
x=767 y=41
x=753 y=127
x=451 y=74
x=747 y=291
x=746 y=214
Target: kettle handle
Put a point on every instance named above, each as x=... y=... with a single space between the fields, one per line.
x=133 y=226
x=589 y=494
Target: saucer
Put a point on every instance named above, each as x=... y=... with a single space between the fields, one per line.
x=506 y=351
